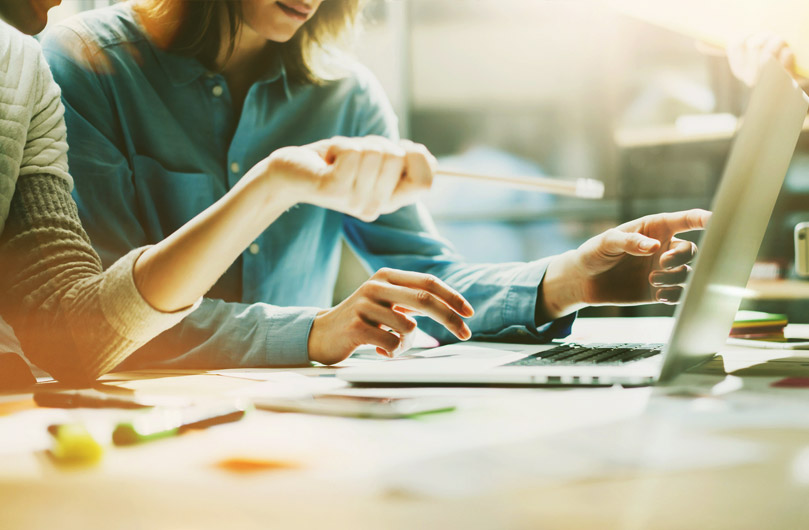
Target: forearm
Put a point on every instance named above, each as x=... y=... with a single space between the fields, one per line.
x=505 y=298
x=561 y=288
x=177 y=271
x=503 y=295
x=222 y=334
x=72 y=320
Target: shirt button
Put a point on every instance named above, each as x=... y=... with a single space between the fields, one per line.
x=254 y=248
x=217 y=90
x=234 y=167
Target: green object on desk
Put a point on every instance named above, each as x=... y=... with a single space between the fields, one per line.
x=130 y=434
x=757 y=324
x=162 y=423
x=73 y=445
x=752 y=318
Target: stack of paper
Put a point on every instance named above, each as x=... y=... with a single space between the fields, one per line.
x=758 y=325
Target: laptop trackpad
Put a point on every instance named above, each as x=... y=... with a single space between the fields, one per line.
x=469 y=355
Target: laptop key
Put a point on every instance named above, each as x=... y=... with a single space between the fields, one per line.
x=632 y=355
x=612 y=355
x=568 y=355
x=572 y=353
x=554 y=353
x=587 y=355
x=528 y=361
x=652 y=352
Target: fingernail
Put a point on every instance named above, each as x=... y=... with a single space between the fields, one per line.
x=646 y=245
x=657 y=280
x=466 y=333
x=468 y=309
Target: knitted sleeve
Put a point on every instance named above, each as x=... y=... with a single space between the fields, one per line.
x=45 y=150
x=72 y=319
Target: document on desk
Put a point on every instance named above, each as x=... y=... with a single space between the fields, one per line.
x=759 y=407
x=200 y=385
x=672 y=433
x=264 y=374
x=288 y=385
x=609 y=451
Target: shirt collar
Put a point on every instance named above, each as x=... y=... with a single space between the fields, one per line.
x=179 y=69
x=182 y=70
x=275 y=71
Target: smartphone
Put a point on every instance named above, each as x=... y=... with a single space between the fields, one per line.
x=356 y=406
x=790 y=343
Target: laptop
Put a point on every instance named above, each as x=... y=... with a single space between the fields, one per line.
x=754 y=172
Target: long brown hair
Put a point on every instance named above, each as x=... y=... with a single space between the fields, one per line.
x=206 y=26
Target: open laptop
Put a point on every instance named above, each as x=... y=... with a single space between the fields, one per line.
x=754 y=173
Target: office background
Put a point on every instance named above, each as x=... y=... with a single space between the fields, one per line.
x=562 y=88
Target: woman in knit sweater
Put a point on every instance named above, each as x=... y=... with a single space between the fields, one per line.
x=78 y=322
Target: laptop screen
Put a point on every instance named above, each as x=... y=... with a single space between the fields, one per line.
x=754 y=172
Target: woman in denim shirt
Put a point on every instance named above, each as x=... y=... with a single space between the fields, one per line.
x=78 y=322
x=172 y=103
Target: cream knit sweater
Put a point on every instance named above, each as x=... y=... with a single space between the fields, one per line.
x=72 y=319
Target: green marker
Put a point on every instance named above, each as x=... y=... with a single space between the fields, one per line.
x=162 y=423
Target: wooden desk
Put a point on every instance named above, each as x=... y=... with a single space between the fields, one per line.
x=778 y=290
x=507 y=458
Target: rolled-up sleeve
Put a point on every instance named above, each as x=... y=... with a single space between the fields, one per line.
x=504 y=295
x=72 y=320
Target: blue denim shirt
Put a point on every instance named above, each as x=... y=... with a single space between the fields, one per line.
x=154 y=140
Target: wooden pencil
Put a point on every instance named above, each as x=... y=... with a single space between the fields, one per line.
x=582 y=188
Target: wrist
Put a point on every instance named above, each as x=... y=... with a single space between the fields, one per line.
x=266 y=182
x=313 y=345
x=562 y=288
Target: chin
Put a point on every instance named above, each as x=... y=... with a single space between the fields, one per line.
x=280 y=36
x=26 y=19
x=27 y=26
x=34 y=26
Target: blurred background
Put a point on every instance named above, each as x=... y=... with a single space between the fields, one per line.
x=565 y=88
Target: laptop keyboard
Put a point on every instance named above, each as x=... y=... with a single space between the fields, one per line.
x=571 y=353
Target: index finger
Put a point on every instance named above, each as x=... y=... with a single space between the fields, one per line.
x=695 y=219
x=787 y=58
x=420 y=165
x=430 y=283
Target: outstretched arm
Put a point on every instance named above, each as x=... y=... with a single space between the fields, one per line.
x=638 y=262
x=747 y=56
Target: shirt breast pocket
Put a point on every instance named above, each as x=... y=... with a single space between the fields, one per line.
x=168 y=199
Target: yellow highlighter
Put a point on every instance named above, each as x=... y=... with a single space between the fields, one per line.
x=74 y=445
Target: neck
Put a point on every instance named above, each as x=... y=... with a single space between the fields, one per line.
x=241 y=66
x=248 y=47
x=161 y=20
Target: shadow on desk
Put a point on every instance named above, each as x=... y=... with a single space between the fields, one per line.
x=785 y=366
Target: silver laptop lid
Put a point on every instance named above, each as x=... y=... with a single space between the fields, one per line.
x=754 y=172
